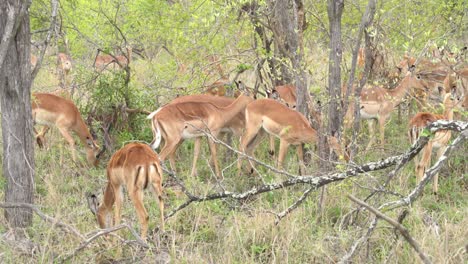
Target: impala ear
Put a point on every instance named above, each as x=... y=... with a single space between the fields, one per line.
x=93 y=202
x=274 y=94
x=440 y=89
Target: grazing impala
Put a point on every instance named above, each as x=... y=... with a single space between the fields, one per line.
x=439 y=141
x=290 y=126
x=378 y=103
x=235 y=125
x=106 y=61
x=179 y=121
x=50 y=110
x=135 y=166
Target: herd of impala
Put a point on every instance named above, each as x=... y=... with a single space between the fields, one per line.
x=136 y=165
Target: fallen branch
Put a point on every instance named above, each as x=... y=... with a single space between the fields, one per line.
x=317 y=182
x=293 y=206
x=45 y=217
x=413 y=243
x=429 y=174
x=103 y=232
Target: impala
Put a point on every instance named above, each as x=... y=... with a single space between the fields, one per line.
x=378 y=103
x=64 y=63
x=290 y=126
x=135 y=166
x=235 y=125
x=184 y=120
x=439 y=141
x=33 y=61
x=218 y=88
x=458 y=81
x=49 y=110
x=105 y=61
x=285 y=94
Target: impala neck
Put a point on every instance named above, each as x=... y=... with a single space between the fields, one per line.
x=448 y=111
x=82 y=131
x=235 y=107
x=311 y=134
x=399 y=92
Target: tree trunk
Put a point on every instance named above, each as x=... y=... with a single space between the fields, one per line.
x=15 y=97
x=335 y=11
x=288 y=24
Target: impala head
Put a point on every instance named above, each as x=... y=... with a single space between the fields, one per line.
x=94 y=207
x=93 y=151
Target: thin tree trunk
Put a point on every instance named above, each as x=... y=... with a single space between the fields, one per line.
x=15 y=97
x=335 y=11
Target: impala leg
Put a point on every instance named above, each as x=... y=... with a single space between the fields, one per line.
x=213 y=151
x=40 y=136
x=435 y=186
x=248 y=143
x=196 y=154
x=381 y=121
x=370 y=124
x=272 y=146
x=158 y=191
x=169 y=150
x=300 y=156
x=424 y=161
x=283 y=150
x=118 y=196
x=137 y=198
x=66 y=134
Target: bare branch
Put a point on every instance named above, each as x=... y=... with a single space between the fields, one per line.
x=53 y=23
x=413 y=243
x=428 y=175
x=45 y=217
x=294 y=205
x=103 y=232
x=315 y=181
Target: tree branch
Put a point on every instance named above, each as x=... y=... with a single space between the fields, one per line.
x=45 y=217
x=413 y=243
x=317 y=182
x=53 y=23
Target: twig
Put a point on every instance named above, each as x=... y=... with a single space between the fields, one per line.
x=53 y=23
x=357 y=243
x=44 y=217
x=102 y=232
x=294 y=205
x=413 y=243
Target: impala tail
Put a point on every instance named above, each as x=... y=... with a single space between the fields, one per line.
x=156 y=131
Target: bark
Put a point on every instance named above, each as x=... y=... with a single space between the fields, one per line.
x=15 y=96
